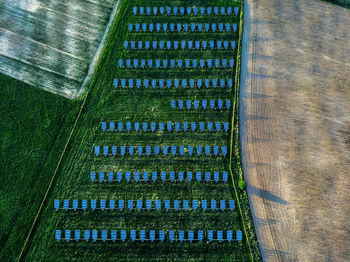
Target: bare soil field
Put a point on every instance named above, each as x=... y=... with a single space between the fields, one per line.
x=51 y=44
x=295 y=127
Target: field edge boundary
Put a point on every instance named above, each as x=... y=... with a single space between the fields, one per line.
x=235 y=145
x=114 y=23
x=93 y=67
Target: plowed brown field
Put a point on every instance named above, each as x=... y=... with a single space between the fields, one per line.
x=295 y=127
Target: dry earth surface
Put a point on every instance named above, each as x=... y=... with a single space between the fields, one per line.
x=51 y=43
x=295 y=127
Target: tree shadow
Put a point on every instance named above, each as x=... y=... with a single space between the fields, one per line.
x=262 y=76
x=260 y=140
x=265 y=221
x=256 y=164
x=255 y=96
x=273 y=252
x=255 y=117
x=266 y=195
x=256 y=38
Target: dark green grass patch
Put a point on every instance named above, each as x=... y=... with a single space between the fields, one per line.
x=33 y=131
x=343 y=3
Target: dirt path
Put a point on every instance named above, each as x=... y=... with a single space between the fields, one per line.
x=295 y=128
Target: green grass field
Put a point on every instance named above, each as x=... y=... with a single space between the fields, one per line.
x=33 y=129
x=343 y=3
x=106 y=103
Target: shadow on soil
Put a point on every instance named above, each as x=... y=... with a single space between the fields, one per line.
x=272 y=253
x=266 y=195
x=265 y=222
x=256 y=117
x=255 y=96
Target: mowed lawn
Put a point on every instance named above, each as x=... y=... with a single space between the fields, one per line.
x=107 y=103
x=34 y=126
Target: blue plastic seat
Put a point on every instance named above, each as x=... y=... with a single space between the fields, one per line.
x=190 y=236
x=163 y=175
x=189 y=176
x=114 y=235
x=154 y=176
x=210 y=235
x=213 y=205
x=181 y=235
x=172 y=176
x=198 y=150
x=219 y=236
x=119 y=176
x=216 y=176
x=190 y=150
x=194 y=204
x=136 y=176
x=84 y=204
x=239 y=236
x=198 y=176
x=133 y=235
x=229 y=235
x=225 y=176
x=181 y=176
x=56 y=204
x=152 y=235
x=102 y=204
x=121 y=204
x=104 y=235
x=200 y=235
x=67 y=235
x=111 y=204
x=142 y=235
x=222 y=205
x=130 y=205
x=94 y=235
x=123 y=235
x=139 y=204
x=232 y=204
x=167 y=205
x=204 y=205
x=158 y=204
x=185 y=204
x=176 y=205
x=87 y=235
x=145 y=176
x=161 y=235
x=171 y=236
x=148 y=204
x=58 y=235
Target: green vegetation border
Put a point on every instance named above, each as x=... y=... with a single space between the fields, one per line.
x=236 y=161
x=105 y=54
x=36 y=124
x=342 y=3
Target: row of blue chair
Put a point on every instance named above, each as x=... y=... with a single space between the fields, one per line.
x=222 y=10
x=146 y=205
x=165 y=27
x=183 y=44
x=177 y=126
x=188 y=63
x=152 y=235
x=212 y=104
x=164 y=176
x=173 y=82
x=156 y=150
